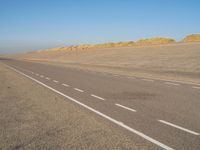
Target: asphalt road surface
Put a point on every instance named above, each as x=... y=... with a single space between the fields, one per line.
x=164 y=114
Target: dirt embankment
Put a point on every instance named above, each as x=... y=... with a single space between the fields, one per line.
x=32 y=117
x=179 y=61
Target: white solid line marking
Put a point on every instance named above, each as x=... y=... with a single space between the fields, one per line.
x=99 y=113
x=149 y=80
x=78 y=90
x=183 y=82
x=97 y=97
x=178 y=127
x=55 y=81
x=65 y=85
x=170 y=83
x=168 y=80
x=196 y=87
x=126 y=107
x=47 y=78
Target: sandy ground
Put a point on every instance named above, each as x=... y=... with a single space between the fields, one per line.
x=180 y=61
x=32 y=117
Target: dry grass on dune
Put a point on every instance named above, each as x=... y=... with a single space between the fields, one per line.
x=90 y=46
x=191 y=38
x=156 y=40
x=150 y=41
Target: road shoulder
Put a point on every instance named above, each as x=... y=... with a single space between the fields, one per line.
x=32 y=117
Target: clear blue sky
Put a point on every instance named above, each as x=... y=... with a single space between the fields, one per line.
x=27 y=25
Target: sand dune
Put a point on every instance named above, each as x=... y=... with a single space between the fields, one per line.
x=140 y=42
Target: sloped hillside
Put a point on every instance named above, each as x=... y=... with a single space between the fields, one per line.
x=149 y=41
x=156 y=40
x=191 y=38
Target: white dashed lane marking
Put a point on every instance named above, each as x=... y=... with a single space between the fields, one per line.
x=116 y=75
x=97 y=97
x=78 y=90
x=66 y=85
x=47 y=78
x=171 y=83
x=130 y=77
x=148 y=80
x=55 y=81
x=126 y=107
x=178 y=127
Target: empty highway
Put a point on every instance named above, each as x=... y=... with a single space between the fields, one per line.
x=163 y=114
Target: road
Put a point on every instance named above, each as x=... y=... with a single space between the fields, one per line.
x=164 y=114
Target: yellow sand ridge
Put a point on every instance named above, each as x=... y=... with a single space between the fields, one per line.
x=140 y=42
